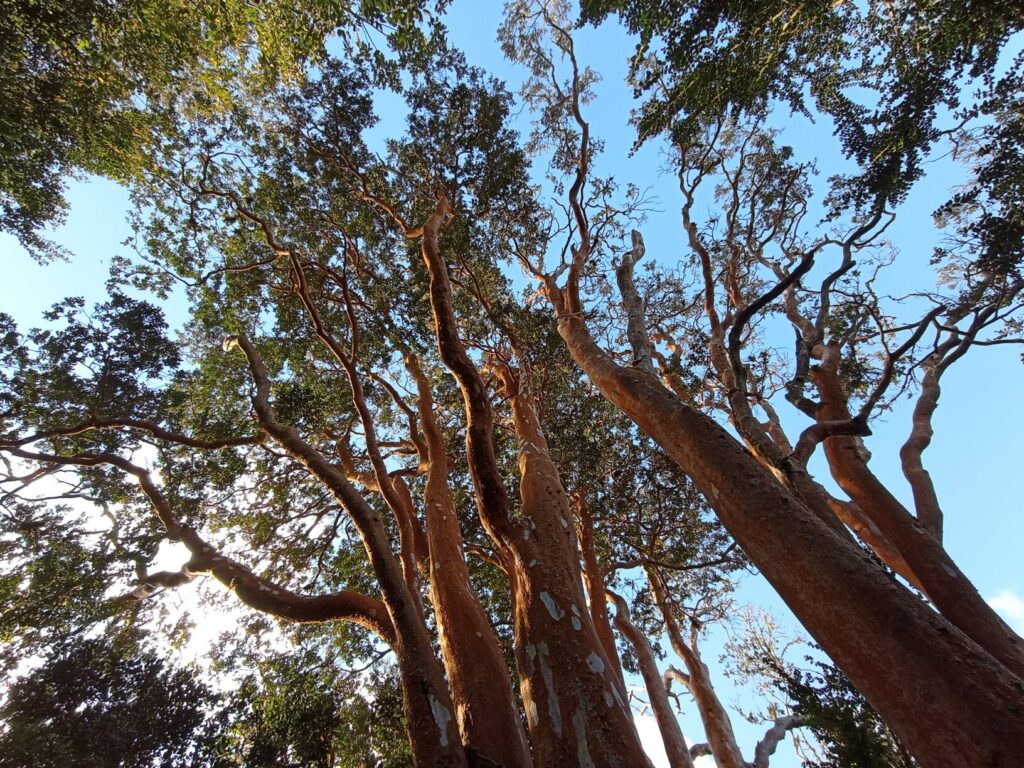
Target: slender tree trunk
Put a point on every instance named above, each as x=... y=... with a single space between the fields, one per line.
x=593 y=576
x=671 y=736
x=430 y=722
x=575 y=713
x=479 y=678
x=945 y=697
x=717 y=723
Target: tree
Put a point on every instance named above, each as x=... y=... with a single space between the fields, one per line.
x=845 y=729
x=94 y=703
x=88 y=83
x=787 y=526
x=350 y=316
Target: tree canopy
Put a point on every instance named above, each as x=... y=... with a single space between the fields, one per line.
x=462 y=452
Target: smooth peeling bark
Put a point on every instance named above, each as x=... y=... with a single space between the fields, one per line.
x=946 y=698
x=492 y=501
x=485 y=704
x=576 y=714
x=942 y=581
x=676 y=751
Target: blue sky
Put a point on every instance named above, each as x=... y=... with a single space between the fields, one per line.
x=975 y=456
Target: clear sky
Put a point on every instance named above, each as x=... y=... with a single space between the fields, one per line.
x=974 y=459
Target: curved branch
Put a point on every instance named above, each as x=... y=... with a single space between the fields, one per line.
x=766 y=746
x=657 y=693
x=254 y=591
x=633 y=303
x=148 y=426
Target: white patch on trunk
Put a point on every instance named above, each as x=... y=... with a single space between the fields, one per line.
x=549 y=683
x=617 y=697
x=549 y=603
x=596 y=663
x=579 y=723
x=441 y=716
x=576 y=624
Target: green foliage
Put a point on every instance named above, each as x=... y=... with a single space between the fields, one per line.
x=296 y=717
x=92 y=365
x=262 y=185
x=849 y=731
x=888 y=75
x=97 y=703
x=90 y=85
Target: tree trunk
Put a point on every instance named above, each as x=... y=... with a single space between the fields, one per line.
x=576 y=714
x=945 y=584
x=946 y=698
x=477 y=674
x=594 y=578
x=432 y=731
x=671 y=736
x=717 y=723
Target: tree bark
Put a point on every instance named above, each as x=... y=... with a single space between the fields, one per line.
x=575 y=711
x=717 y=723
x=943 y=695
x=481 y=688
x=430 y=722
x=593 y=576
x=945 y=584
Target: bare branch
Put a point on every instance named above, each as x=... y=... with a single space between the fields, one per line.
x=766 y=746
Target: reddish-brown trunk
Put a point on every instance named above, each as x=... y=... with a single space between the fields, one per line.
x=479 y=679
x=429 y=713
x=676 y=751
x=945 y=584
x=946 y=698
x=717 y=724
x=575 y=711
x=593 y=576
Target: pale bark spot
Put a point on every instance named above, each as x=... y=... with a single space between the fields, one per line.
x=531 y=714
x=441 y=716
x=549 y=682
x=549 y=603
x=596 y=663
x=579 y=722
